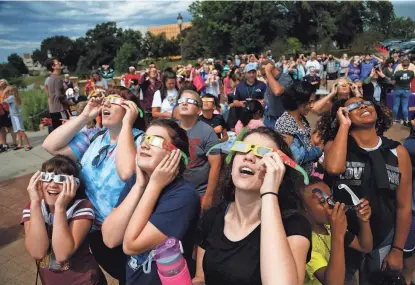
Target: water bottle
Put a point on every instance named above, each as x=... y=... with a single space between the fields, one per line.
x=171 y=265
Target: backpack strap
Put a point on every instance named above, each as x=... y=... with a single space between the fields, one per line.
x=100 y=133
x=137 y=136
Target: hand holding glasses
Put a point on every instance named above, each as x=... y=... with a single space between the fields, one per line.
x=331 y=202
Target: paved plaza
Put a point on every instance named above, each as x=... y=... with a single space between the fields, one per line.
x=16 y=168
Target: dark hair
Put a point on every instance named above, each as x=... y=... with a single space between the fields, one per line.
x=328 y=125
x=61 y=164
x=96 y=72
x=163 y=89
x=124 y=92
x=178 y=137
x=233 y=70
x=49 y=63
x=207 y=95
x=186 y=86
x=290 y=194
x=251 y=108
x=389 y=61
x=298 y=94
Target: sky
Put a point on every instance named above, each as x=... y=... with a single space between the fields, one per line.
x=23 y=25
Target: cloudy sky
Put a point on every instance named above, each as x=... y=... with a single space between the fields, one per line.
x=23 y=25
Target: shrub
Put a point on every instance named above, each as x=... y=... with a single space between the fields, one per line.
x=34 y=107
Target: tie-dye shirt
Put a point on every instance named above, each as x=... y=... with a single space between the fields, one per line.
x=103 y=186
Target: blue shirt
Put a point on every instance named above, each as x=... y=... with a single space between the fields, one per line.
x=366 y=68
x=354 y=72
x=244 y=91
x=13 y=108
x=175 y=215
x=103 y=187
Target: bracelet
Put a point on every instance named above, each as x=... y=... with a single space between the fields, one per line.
x=272 y=193
x=398 y=248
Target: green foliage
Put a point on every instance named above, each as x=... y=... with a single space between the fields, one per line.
x=17 y=62
x=34 y=107
x=402 y=28
x=8 y=71
x=37 y=80
x=127 y=55
x=82 y=67
x=294 y=44
x=366 y=42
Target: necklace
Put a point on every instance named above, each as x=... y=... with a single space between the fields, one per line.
x=325 y=244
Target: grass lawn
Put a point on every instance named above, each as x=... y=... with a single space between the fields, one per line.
x=37 y=80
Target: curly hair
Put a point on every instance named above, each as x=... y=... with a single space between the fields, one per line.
x=290 y=194
x=298 y=94
x=328 y=125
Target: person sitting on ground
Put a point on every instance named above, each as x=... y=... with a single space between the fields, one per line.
x=216 y=121
x=57 y=220
x=330 y=235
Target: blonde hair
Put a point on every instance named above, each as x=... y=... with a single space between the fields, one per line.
x=12 y=91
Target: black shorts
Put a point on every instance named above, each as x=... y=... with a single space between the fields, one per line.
x=5 y=121
x=57 y=119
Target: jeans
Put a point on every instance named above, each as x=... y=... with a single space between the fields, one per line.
x=270 y=122
x=401 y=97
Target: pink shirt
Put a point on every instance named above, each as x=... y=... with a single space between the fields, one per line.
x=253 y=124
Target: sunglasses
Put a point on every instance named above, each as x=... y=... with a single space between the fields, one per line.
x=356 y=105
x=116 y=100
x=57 y=178
x=208 y=100
x=260 y=151
x=162 y=144
x=188 y=101
x=324 y=198
x=102 y=154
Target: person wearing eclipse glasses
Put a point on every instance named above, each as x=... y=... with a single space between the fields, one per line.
x=358 y=156
x=330 y=235
x=56 y=222
x=201 y=138
x=160 y=205
x=105 y=168
x=254 y=234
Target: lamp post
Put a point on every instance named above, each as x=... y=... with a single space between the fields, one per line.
x=180 y=22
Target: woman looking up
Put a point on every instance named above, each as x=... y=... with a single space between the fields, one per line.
x=255 y=235
x=106 y=171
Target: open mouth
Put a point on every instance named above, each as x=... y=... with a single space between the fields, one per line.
x=365 y=114
x=106 y=113
x=246 y=170
x=53 y=193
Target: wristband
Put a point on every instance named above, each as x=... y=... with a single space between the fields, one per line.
x=272 y=193
x=398 y=248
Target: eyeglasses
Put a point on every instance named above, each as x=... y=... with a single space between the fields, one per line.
x=208 y=99
x=57 y=178
x=356 y=105
x=162 y=144
x=257 y=150
x=188 y=101
x=324 y=198
x=116 y=100
x=102 y=154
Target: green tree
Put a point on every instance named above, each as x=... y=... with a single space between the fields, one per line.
x=294 y=44
x=37 y=56
x=133 y=37
x=127 y=55
x=17 y=62
x=155 y=45
x=378 y=16
x=366 y=41
x=102 y=43
x=402 y=28
x=8 y=71
x=193 y=47
x=82 y=66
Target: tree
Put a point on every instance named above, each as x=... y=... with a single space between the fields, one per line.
x=82 y=66
x=378 y=16
x=193 y=47
x=366 y=42
x=133 y=37
x=155 y=45
x=37 y=56
x=294 y=44
x=17 y=62
x=127 y=55
x=402 y=28
x=8 y=71
x=102 y=42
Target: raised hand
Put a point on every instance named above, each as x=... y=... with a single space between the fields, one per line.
x=343 y=117
x=131 y=112
x=34 y=188
x=274 y=169
x=364 y=211
x=93 y=108
x=338 y=221
x=68 y=192
x=167 y=170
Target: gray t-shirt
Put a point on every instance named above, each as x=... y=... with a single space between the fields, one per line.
x=55 y=94
x=201 y=138
x=273 y=104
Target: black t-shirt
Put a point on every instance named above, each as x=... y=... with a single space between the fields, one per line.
x=216 y=120
x=238 y=263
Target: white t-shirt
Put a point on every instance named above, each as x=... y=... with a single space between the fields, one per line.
x=168 y=103
x=313 y=63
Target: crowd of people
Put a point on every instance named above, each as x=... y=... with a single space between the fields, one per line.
x=222 y=157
